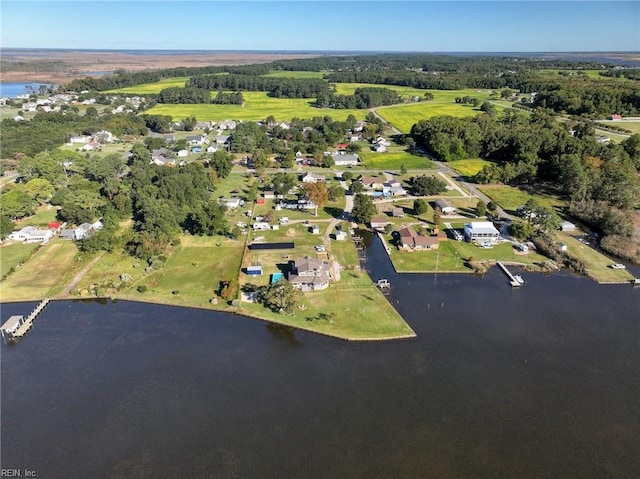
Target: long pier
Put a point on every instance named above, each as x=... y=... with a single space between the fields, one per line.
x=17 y=326
x=512 y=279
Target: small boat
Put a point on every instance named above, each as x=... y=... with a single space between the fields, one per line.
x=518 y=278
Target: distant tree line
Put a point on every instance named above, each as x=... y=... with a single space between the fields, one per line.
x=277 y=87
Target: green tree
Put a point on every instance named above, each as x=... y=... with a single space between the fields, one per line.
x=91 y=111
x=6 y=226
x=16 y=203
x=356 y=186
x=280 y=296
x=403 y=169
x=419 y=206
x=39 y=189
x=481 y=209
x=221 y=162
x=363 y=209
x=282 y=182
x=188 y=124
x=347 y=175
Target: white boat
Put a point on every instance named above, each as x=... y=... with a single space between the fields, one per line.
x=518 y=278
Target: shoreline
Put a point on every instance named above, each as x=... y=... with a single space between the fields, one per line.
x=235 y=311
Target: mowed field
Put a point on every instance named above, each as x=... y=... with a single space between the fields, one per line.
x=632 y=126
x=151 y=88
x=258 y=106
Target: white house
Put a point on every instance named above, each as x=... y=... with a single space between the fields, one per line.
x=227 y=125
x=31 y=234
x=481 y=232
x=344 y=160
x=309 y=274
x=311 y=178
x=183 y=153
x=261 y=226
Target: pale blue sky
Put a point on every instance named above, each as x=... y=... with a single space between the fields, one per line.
x=445 y=26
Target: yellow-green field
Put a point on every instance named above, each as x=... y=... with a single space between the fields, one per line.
x=632 y=126
x=469 y=168
x=44 y=215
x=41 y=273
x=394 y=160
x=151 y=88
x=258 y=105
x=294 y=74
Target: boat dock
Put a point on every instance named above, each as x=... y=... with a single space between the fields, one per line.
x=516 y=280
x=17 y=326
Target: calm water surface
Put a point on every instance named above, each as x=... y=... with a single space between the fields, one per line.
x=541 y=382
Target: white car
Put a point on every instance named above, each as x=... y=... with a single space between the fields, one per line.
x=320 y=248
x=618 y=266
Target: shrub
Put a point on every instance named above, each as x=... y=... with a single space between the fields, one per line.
x=142 y=288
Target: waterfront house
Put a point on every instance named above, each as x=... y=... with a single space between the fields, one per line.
x=309 y=274
x=378 y=222
x=481 y=232
x=410 y=240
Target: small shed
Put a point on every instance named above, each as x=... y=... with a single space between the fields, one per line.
x=567 y=226
x=444 y=206
x=397 y=212
x=255 y=270
x=341 y=235
x=54 y=225
x=314 y=229
x=11 y=326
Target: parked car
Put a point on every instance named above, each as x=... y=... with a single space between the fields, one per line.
x=320 y=248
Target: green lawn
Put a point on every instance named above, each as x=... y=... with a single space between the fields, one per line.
x=13 y=253
x=451 y=257
x=41 y=273
x=509 y=197
x=151 y=88
x=598 y=264
x=44 y=215
x=469 y=168
x=258 y=105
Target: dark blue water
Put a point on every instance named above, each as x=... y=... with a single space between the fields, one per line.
x=540 y=382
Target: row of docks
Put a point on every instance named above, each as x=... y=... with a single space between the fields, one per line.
x=17 y=326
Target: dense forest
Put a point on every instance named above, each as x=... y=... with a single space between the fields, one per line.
x=362 y=98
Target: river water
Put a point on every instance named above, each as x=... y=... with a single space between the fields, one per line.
x=540 y=382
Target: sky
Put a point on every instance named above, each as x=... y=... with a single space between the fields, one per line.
x=306 y=25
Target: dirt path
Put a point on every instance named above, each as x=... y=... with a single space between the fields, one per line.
x=78 y=277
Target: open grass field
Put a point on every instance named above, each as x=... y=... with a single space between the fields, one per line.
x=13 y=253
x=598 y=264
x=469 y=168
x=44 y=215
x=403 y=117
x=293 y=74
x=258 y=105
x=41 y=273
x=632 y=126
x=509 y=197
x=151 y=88
x=192 y=273
x=394 y=160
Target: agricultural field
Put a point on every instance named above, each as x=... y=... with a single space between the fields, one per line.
x=469 y=168
x=294 y=74
x=41 y=273
x=393 y=160
x=151 y=88
x=258 y=106
x=509 y=197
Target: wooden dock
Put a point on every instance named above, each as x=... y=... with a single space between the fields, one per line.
x=515 y=282
x=17 y=326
